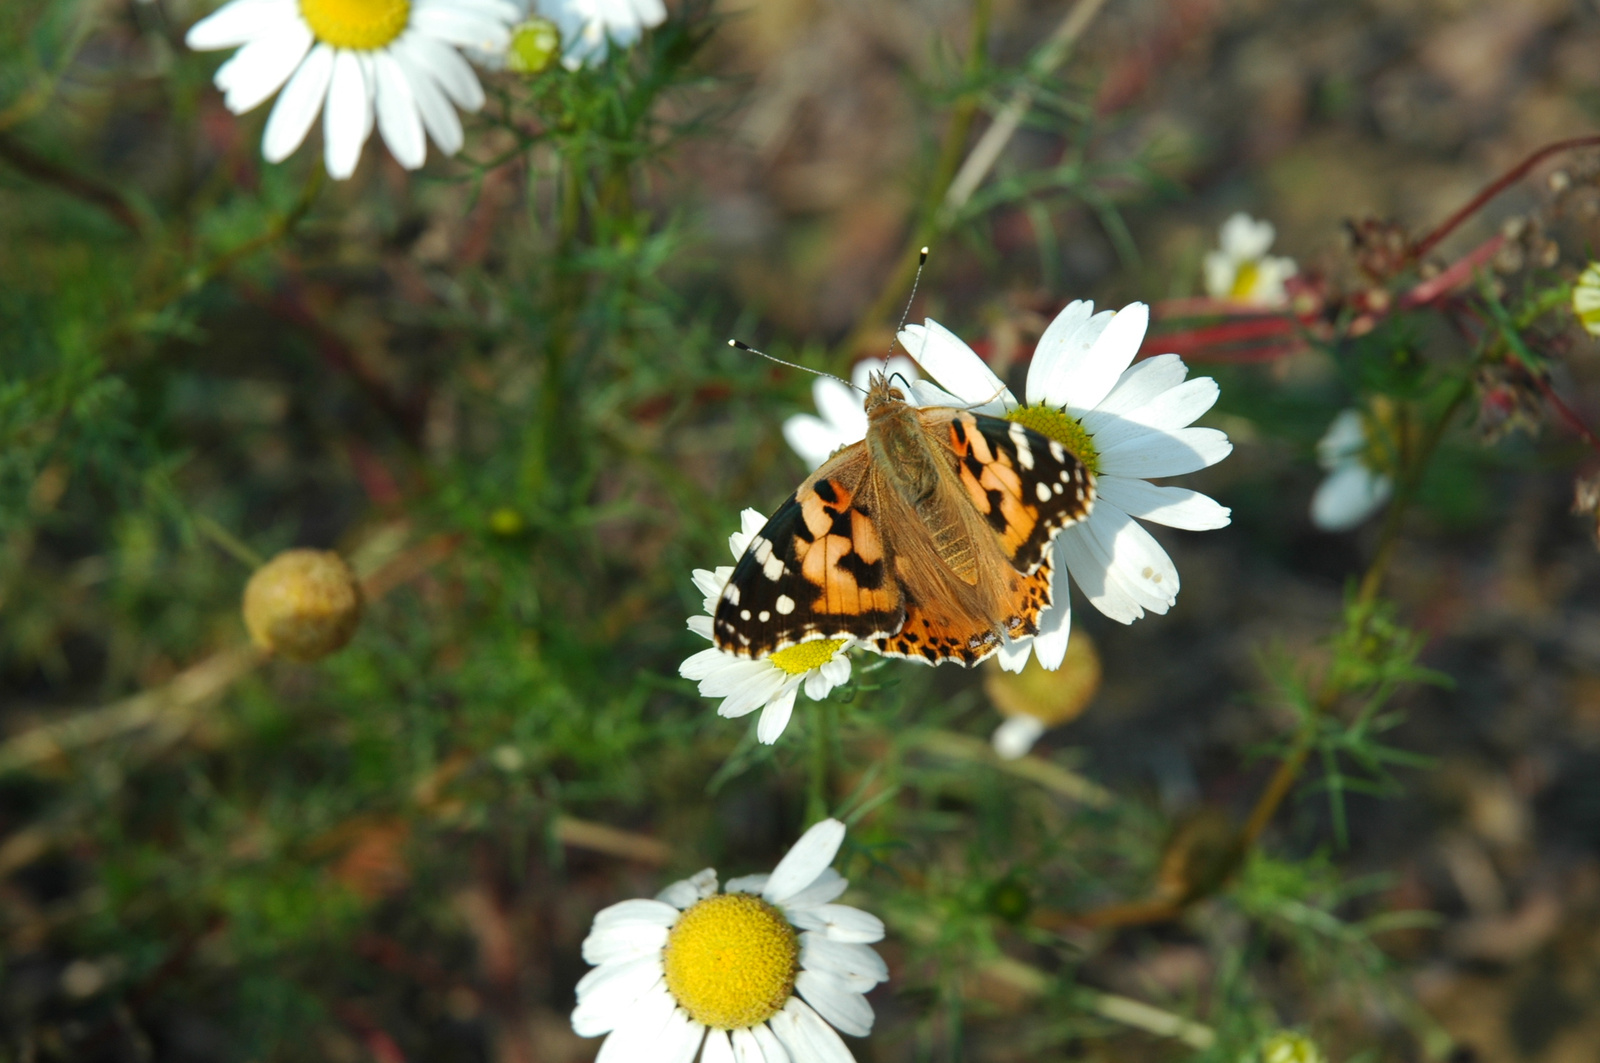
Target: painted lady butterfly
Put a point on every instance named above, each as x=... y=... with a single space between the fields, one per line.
x=930 y=539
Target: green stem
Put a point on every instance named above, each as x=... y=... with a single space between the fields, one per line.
x=821 y=761
x=1289 y=768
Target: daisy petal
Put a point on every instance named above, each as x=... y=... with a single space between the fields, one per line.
x=747 y=1047
x=812 y=438
x=772 y=1050
x=621 y=943
x=1176 y=507
x=347 y=120
x=261 y=67
x=943 y=356
x=818 y=952
x=822 y=1042
x=1151 y=454
x=637 y=1038
x=690 y=891
x=1054 y=343
x=399 y=120
x=846 y=1010
x=829 y=885
x=717 y=1049
x=638 y=910
x=1013 y=654
x=1170 y=411
x=747 y=884
x=1055 y=624
x=775 y=717
x=804 y=863
x=607 y=1001
x=298 y=105
x=679 y=1040
x=240 y=23
x=1141 y=382
x=1081 y=377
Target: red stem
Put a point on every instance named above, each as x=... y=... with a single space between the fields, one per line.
x=1494 y=188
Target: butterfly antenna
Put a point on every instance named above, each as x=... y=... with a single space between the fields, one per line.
x=922 y=260
x=741 y=345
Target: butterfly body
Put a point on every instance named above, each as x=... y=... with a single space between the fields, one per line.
x=929 y=539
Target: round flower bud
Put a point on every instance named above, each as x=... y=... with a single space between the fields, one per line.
x=534 y=46
x=303 y=604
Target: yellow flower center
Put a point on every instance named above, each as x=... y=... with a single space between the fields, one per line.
x=534 y=44
x=731 y=961
x=361 y=25
x=1245 y=280
x=798 y=660
x=1056 y=424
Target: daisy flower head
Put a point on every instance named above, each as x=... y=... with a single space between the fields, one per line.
x=1586 y=299
x=393 y=63
x=1240 y=269
x=768 y=683
x=589 y=27
x=1127 y=423
x=841 y=419
x=770 y=971
x=1355 y=487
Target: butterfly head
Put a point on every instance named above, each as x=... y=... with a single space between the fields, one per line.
x=882 y=395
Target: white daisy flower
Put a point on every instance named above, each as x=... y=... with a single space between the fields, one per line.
x=1586 y=299
x=769 y=972
x=589 y=27
x=1353 y=489
x=1127 y=423
x=842 y=418
x=393 y=62
x=769 y=683
x=1241 y=270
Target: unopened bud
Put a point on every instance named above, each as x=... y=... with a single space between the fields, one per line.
x=534 y=46
x=303 y=604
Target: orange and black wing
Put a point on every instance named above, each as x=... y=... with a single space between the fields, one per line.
x=1025 y=486
x=818 y=570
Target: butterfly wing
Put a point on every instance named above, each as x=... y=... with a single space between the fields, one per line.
x=1019 y=489
x=1025 y=486
x=819 y=569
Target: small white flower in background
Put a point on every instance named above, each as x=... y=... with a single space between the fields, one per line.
x=764 y=973
x=842 y=419
x=1127 y=423
x=1353 y=489
x=395 y=63
x=1586 y=299
x=769 y=683
x=589 y=27
x=1241 y=270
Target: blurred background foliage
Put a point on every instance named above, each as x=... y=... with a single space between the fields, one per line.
x=499 y=386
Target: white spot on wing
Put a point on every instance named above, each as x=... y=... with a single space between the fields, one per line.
x=744 y=614
x=1019 y=436
x=1043 y=490
x=764 y=616
x=730 y=594
x=1058 y=452
x=785 y=605
x=772 y=567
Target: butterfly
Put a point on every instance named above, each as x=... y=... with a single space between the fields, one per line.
x=929 y=539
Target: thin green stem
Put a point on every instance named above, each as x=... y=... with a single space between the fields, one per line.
x=1288 y=772
x=821 y=762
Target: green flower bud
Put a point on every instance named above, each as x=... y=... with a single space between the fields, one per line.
x=535 y=44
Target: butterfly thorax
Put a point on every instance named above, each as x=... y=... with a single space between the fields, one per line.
x=900 y=450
